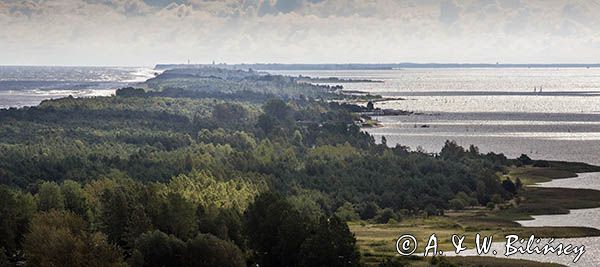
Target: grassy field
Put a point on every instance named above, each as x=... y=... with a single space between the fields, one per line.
x=533 y=175
x=377 y=241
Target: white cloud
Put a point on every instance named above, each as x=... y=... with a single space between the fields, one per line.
x=145 y=32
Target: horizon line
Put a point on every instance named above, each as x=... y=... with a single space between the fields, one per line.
x=405 y=64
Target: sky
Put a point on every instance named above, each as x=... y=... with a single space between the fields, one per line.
x=147 y=32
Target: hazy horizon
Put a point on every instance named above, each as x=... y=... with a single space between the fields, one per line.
x=491 y=64
x=148 y=32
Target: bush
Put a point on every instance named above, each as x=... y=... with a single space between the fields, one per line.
x=467 y=200
x=509 y=186
x=541 y=164
x=457 y=204
x=525 y=160
x=347 y=213
x=497 y=199
x=430 y=210
x=368 y=210
x=518 y=183
x=385 y=215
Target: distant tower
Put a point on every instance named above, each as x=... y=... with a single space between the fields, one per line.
x=213 y=62
x=188 y=61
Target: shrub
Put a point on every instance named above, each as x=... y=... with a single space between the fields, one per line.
x=457 y=204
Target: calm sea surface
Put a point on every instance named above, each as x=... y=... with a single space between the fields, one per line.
x=28 y=86
x=498 y=110
x=495 y=109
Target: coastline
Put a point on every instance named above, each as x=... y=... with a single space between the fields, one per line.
x=377 y=240
x=32 y=93
x=499 y=219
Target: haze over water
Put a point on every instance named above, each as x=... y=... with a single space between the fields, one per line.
x=28 y=86
x=495 y=109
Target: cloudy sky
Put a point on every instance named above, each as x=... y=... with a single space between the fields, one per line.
x=145 y=32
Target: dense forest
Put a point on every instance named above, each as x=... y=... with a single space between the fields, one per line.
x=212 y=167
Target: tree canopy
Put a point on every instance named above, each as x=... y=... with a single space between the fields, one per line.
x=257 y=168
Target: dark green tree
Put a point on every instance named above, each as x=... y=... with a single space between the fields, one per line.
x=157 y=249
x=8 y=225
x=122 y=217
x=230 y=115
x=518 y=183
x=4 y=261
x=74 y=198
x=368 y=210
x=60 y=238
x=331 y=245
x=452 y=151
x=50 y=197
x=509 y=186
x=525 y=160
x=276 y=230
x=16 y=211
x=178 y=217
x=278 y=109
x=206 y=250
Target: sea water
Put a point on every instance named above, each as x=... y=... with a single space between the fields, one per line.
x=28 y=86
x=495 y=109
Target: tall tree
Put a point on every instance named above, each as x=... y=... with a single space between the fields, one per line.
x=74 y=197
x=332 y=245
x=276 y=230
x=207 y=251
x=50 y=197
x=122 y=217
x=178 y=216
x=8 y=225
x=157 y=249
x=59 y=238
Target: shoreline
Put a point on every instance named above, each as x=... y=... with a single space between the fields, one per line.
x=504 y=221
x=376 y=241
x=551 y=136
x=575 y=204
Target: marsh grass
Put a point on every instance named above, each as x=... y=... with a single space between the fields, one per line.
x=377 y=241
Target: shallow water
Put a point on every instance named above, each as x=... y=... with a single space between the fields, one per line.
x=590 y=180
x=497 y=110
x=571 y=137
x=494 y=109
x=581 y=217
